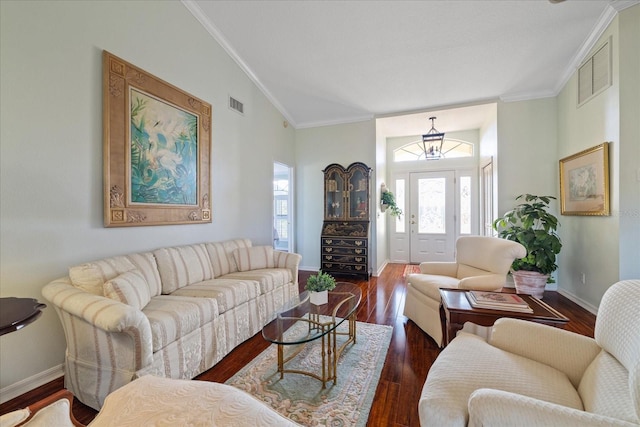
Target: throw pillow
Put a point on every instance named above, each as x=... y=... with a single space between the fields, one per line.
x=254 y=258
x=91 y=276
x=129 y=288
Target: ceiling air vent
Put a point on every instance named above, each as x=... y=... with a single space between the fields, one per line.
x=236 y=105
x=594 y=75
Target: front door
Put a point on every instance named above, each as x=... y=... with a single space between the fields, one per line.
x=432 y=216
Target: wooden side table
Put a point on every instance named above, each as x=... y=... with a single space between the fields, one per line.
x=456 y=310
x=16 y=313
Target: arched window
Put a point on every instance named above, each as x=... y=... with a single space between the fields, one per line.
x=451 y=148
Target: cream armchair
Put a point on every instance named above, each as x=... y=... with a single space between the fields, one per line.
x=482 y=263
x=527 y=374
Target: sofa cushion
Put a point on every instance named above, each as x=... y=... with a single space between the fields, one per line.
x=146 y=264
x=172 y=317
x=183 y=265
x=268 y=278
x=229 y=293
x=604 y=389
x=91 y=276
x=429 y=284
x=254 y=258
x=221 y=255
x=469 y=363
x=129 y=288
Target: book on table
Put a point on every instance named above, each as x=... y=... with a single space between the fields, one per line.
x=498 y=301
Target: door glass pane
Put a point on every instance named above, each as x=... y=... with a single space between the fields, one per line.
x=400 y=201
x=465 y=205
x=431 y=205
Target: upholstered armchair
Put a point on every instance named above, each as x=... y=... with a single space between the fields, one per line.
x=482 y=263
x=528 y=374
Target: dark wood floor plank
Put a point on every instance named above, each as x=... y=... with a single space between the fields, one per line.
x=410 y=355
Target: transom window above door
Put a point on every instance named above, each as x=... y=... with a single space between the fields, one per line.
x=451 y=148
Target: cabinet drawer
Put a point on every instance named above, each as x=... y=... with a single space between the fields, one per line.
x=347 y=243
x=344 y=258
x=336 y=266
x=340 y=250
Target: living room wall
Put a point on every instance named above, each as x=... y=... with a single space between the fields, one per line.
x=605 y=249
x=316 y=148
x=51 y=150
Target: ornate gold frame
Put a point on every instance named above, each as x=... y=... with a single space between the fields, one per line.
x=584 y=182
x=119 y=77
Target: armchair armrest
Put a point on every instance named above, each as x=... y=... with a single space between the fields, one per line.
x=109 y=316
x=288 y=260
x=497 y=408
x=440 y=268
x=566 y=351
x=485 y=282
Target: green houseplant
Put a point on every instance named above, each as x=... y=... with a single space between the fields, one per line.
x=531 y=224
x=318 y=286
x=388 y=201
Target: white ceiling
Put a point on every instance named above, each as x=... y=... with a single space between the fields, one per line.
x=329 y=62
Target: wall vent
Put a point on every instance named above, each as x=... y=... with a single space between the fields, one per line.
x=236 y=105
x=594 y=75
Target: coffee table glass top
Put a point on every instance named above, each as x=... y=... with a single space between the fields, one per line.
x=322 y=319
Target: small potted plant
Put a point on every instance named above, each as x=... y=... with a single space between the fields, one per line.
x=388 y=201
x=318 y=286
x=530 y=224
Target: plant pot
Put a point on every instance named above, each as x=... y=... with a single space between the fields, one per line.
x=530 y=282
x=319 y=298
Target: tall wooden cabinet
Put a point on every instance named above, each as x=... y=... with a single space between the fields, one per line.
x=345 y=231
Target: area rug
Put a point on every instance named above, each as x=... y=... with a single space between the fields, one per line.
x=302 y=399
x=410 y=269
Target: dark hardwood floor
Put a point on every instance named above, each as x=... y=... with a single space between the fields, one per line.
x=409 y=358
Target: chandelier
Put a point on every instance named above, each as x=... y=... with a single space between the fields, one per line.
x=432 y=143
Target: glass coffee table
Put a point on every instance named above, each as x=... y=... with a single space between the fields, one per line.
x=300 y=322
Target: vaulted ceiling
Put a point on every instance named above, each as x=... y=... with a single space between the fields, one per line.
x=328 y=62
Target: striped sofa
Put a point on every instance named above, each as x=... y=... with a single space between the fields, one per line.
x=173 y=312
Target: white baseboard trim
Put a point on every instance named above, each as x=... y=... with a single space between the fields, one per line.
x=582 y=303
x=382 y=267
x=305 y=268
x=23 y=386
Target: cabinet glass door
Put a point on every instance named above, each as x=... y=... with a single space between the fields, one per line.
x=334 y=197
x=358 y=194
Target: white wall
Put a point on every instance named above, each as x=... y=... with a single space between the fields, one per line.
x=629 y=74
x=51 y=147
x=527 y=161
x=316 y=148
x=605 y=249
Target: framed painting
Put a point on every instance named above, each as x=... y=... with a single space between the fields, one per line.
x=157 y=147
x=584 y=182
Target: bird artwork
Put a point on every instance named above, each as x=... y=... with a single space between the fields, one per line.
x=164 y=152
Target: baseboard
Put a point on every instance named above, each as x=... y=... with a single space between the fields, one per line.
x=379 y=272
x=582 y=303
x=305 y=268
x=23 y=386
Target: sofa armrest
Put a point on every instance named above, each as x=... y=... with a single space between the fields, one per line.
x=497 y=408
x=288 y=260
x=109 y=316
x=439 y=268
x=485 y=282
x=566 y=351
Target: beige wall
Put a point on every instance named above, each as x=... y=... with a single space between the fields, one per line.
x=605 y=249
x=316 y=148
x=51 y=148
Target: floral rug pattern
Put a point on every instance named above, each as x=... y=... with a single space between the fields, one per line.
x=411 y=269
x=302 y=399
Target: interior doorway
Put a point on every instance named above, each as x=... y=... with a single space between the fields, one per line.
x=283 y=207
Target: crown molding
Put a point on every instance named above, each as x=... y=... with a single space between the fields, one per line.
x=601 y=26
x=197 y=12
x=343 y=121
